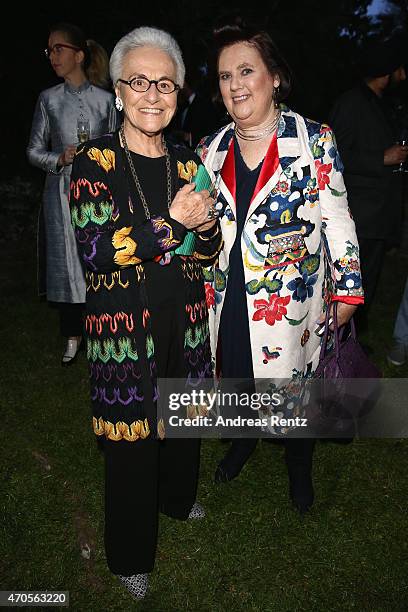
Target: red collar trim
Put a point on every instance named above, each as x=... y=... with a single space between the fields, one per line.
x=269 y=166
x=228 y=170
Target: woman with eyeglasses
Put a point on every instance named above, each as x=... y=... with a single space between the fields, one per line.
x=143 y=233
x=77 y=109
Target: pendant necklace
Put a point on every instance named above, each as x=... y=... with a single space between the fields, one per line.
x=135 y=177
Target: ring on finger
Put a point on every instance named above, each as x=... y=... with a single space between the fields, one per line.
x=212 y=213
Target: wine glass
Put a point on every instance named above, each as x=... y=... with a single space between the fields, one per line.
x=404 y=142
x=83 y=132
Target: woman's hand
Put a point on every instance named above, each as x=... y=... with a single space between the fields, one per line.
x=397 y=154
x=190 y=207
x=66 y=157
x=344 y=314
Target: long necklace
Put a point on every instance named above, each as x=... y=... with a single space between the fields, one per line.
x=135 y=177
x=256 y=133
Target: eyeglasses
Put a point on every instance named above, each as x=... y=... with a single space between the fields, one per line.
x=58 y=49
x=141 y=84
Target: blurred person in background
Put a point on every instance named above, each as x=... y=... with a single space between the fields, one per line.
x=73 y=111
x=371 y=149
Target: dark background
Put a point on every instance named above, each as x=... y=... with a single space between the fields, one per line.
x=320 y=40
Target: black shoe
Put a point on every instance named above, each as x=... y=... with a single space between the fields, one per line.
x=301 y=487
x=236 y=457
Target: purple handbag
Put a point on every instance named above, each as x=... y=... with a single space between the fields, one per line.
x=350 y=380
x=346 y=359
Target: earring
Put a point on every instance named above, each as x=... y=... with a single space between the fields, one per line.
x=118 y=103
x=276 y=91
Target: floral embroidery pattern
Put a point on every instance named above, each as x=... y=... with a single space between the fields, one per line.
x=272 y=310
x=312 y=192
x=282 y=187
x=323 y=170
x=302 y=287
x=298 y=246
x=209 y=295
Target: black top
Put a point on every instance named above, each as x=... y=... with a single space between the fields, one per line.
x=236 y=357
x=363 y=130
x=165 y=285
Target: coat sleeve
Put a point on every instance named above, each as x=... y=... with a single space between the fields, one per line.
x=360 y=155
x=210 y=242
x=339 y=233
x=38 y=152
x=208 y=245
x=104 y=244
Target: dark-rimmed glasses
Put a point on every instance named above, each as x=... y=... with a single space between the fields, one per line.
x=58 y=48
x=141 y=84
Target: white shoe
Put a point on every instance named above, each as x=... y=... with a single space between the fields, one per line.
x=197 y=512
x=398 y=353
x=136 y=585
x=71 y=351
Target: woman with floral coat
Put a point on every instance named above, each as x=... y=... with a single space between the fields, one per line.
x=290 y=245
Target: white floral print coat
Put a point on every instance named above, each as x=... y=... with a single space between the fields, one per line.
x=299 y=245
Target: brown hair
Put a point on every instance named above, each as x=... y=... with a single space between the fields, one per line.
x=96 y=61
x=98 y=70
x=237 y=31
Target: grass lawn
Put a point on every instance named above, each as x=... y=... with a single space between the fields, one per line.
x=251 y=553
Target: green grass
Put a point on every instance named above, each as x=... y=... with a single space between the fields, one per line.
x=251 y=553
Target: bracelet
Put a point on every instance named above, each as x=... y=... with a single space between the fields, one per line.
x=217 y=231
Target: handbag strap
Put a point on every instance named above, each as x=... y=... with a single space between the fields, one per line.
x=323 y=348
x=337 y=333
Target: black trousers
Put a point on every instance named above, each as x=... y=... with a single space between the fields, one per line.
x=70 y=318
x=141 y=479
x=299 y=452
x=149 y=476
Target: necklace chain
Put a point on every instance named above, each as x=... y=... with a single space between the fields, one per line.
x=257 y=134
x=135 y=177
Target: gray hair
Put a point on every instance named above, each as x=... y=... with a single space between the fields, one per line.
x=146 y=37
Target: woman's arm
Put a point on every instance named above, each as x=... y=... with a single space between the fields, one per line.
x=209 y=242
x=38 y=152
x=208 y=245
x=339 y=233
x=104 y=244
